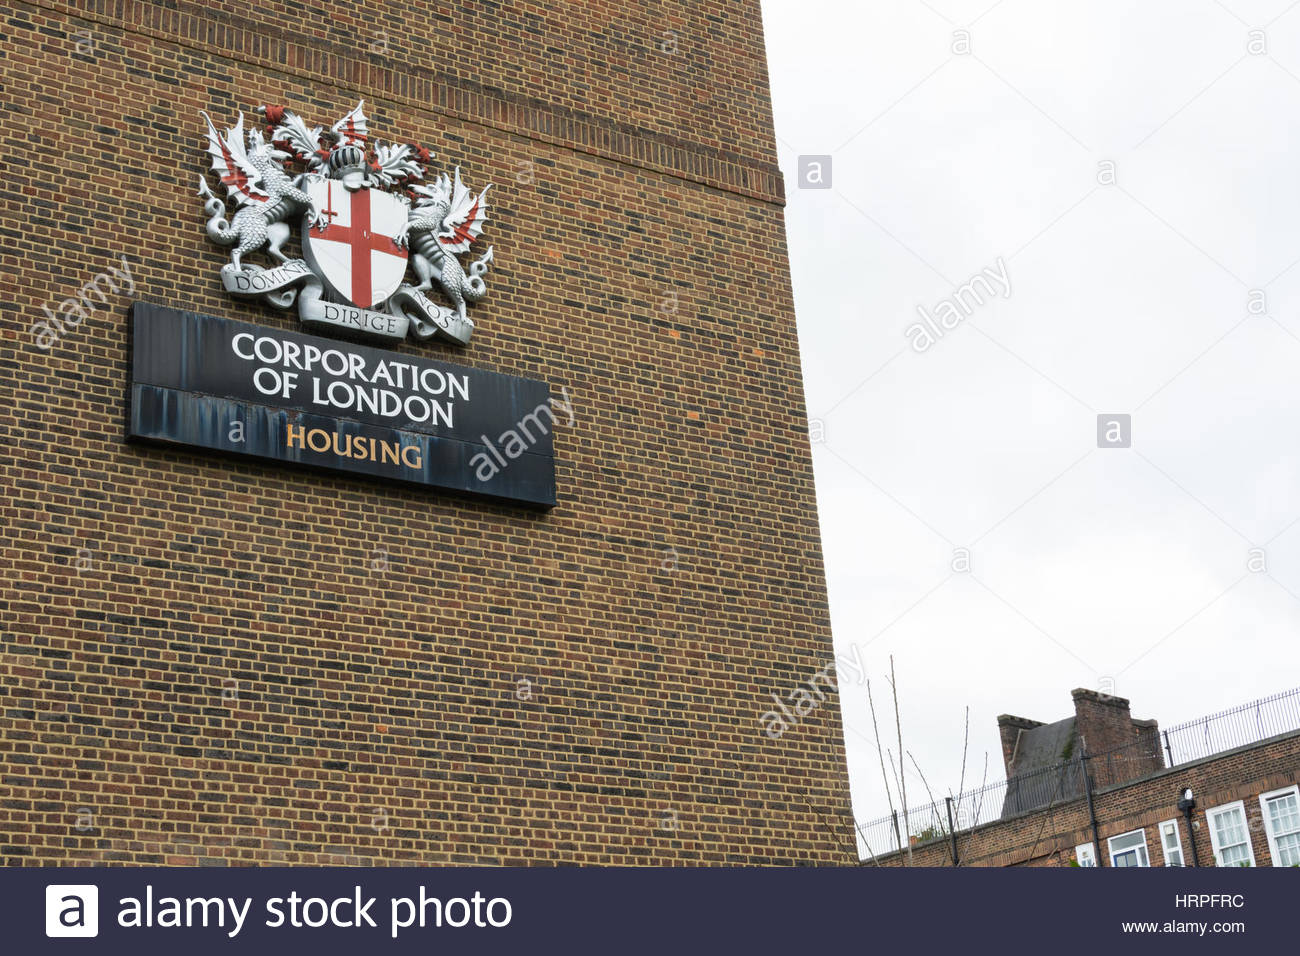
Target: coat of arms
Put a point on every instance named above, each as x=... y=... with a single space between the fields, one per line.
x=367 y=216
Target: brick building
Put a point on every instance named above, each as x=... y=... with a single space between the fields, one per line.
x=220 y=660
x=1102 y=788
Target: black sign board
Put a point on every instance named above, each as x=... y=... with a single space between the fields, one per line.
x=245 y=389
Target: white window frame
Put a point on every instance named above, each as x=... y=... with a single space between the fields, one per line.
x=1144 y=856
x=1211 y=813
x=1085 y=856
x=1268 y=827
x=1178 y=835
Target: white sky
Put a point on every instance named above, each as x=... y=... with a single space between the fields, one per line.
x=1089 y=565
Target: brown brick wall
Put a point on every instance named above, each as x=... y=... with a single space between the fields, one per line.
x=1104 y=722
x=1048 y=838
x=677 y=87
x=212 y=661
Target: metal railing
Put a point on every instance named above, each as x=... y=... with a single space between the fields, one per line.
x=1023 y=793
x=1228 y=729
x=995 y=801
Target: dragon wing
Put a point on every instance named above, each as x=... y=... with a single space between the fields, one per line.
x=464 y=221
x=230 y=161
x=303 y=142
x=351 y=129
x=395 y=165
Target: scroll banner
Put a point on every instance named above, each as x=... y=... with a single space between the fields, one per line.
x=409 y=309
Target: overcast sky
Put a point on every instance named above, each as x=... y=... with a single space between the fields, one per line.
x=1135 y=169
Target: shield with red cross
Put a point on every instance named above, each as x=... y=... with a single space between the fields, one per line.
x=356 y=254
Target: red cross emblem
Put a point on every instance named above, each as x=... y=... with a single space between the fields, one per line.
x=356 y=253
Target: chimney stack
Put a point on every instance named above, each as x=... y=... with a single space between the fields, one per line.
x=1126 y=748
x=1010 y=729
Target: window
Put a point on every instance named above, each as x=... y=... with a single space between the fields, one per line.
x=1282 y=823
x=1084 y=855
x=1229 y=836
x=1171 y=843
x=1129 y=849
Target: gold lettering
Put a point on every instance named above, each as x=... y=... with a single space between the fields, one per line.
x=311 y=440
x=415 y=449
x=290 y=437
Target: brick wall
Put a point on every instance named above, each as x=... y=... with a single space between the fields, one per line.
x=1049 y=838
x=219 y=662
x=1104 y=723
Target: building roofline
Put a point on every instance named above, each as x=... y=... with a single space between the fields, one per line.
x=1199 y=761
x=1083 y=693
x=1010 y=720
x=1083 y=797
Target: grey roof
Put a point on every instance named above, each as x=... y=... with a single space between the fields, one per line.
x=1044 y=746
x=1034 y=784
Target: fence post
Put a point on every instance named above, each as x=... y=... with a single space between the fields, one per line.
x=1168 y=750
x=952 y=830
x=897 y=836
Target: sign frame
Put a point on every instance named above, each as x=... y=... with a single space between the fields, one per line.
x=221 y=385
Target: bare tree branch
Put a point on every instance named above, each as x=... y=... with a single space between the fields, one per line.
x=965 y=743
x=983 y=781
x=879 y=750
x=827 y=824
x=934 y=804
x=898 y=724
x=893 y=767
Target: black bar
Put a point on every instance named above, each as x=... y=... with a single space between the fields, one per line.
x=656 y=910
